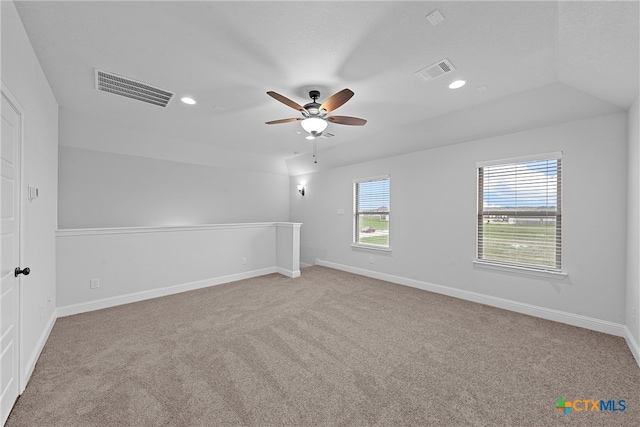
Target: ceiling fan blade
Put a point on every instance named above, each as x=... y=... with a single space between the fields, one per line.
x=345 y=120
x=275 y=122
x=286 y=101
x=336 y=100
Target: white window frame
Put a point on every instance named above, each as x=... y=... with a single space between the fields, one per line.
x=526 y=268
x=356 y=225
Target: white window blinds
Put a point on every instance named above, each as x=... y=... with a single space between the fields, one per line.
x=371 y=211
x=520 y=212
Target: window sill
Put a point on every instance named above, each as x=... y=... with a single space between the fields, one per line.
x=558 y=275
x=370 y=248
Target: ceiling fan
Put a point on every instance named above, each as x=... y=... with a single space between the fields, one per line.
x=315 y=116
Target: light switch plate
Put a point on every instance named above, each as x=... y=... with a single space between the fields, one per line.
x=33 y=192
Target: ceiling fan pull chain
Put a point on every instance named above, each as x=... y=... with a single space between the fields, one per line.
x=315 y=159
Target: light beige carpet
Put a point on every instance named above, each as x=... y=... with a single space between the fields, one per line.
x=328 y=348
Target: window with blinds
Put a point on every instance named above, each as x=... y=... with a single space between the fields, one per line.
x=520 y=212
x=371 y=212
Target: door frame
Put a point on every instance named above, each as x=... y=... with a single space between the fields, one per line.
x=19 y=109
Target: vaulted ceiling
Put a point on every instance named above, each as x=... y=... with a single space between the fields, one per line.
x=526 y=64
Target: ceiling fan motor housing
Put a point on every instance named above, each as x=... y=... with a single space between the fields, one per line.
x=313 y=110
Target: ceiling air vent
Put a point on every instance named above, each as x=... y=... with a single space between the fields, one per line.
x=436 y=70
x=113 y=83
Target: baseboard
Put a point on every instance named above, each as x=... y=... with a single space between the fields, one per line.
x=593 y=324
x=84 y=307
x=30 y=364
x=289 y=273
x=305 y=265
x=633 y=344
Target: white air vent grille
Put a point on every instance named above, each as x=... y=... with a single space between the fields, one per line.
x=438 y=69
x=113 y=83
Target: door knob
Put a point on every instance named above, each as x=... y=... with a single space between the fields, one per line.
x=18 y=271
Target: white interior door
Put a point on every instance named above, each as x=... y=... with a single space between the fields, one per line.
x=10 y=256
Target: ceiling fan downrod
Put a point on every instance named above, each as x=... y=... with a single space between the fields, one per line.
x=314 y=94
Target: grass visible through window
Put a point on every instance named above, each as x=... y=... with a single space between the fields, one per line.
x=526 y=244
x=378 y=237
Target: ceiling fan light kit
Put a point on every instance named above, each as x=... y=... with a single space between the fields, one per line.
x=314 y=125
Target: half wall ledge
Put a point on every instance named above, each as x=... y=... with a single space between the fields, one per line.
x=135 y=263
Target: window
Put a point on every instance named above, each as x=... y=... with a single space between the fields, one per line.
x=371 y=212
x=520 y=212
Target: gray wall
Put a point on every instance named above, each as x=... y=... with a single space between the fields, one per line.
x=433 y=204
x=99 y=189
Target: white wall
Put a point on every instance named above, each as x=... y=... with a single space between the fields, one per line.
x=79 y=130
x=288 y=255
x=22 y=75
x=98 y=189
x=136 y=263
x=633 y=228
x=433 y=219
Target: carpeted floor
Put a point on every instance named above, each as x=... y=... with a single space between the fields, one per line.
x=328 y=348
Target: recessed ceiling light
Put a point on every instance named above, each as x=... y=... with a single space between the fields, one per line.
x=457 y=84
x=188 y=100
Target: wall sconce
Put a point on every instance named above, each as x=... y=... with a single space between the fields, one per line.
x=301 y=189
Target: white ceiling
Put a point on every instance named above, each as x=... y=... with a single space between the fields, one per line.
x=541 y=62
